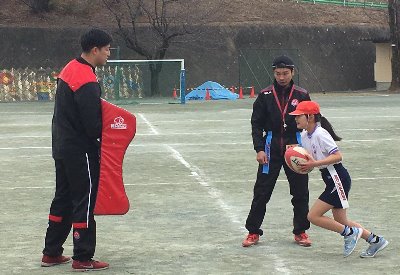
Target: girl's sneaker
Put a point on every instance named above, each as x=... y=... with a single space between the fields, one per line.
x=350 y=242
x=374 y=248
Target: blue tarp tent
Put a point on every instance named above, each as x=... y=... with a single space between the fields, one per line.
x=216 y=90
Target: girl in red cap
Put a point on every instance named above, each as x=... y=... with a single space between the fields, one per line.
x=319 y=140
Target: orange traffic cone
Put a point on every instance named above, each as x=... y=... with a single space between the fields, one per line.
x=241 y=93
x=252 y=92
x=208 y=97
x=174 y=95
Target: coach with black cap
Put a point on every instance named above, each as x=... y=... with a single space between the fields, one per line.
x=274 y=130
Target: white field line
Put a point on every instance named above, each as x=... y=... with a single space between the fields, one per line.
x=364 y=117
x=139 y=145
x=26 y=113
x=33 y=156
x=212 y=191
x=199 y=144
x=215 y=133
x=24 y=147
x=202 y=120
x=134 y=152
x=22 y=137
x=153 y=130
x=244 y=110
x=14 y=125
x=151 y=134
x=367 y=129
x=248 y=119
x=28 y=187
x=249 y=181
x=197 y=133
x=375 y=179
x=370 y=140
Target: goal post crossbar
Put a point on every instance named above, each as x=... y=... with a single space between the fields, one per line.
x=182 y=61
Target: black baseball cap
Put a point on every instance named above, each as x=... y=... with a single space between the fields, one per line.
x=282 y=62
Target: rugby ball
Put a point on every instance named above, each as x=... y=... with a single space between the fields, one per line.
x=294 y=156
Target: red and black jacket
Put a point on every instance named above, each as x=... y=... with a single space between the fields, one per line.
x=271 y=113
x=77 y=122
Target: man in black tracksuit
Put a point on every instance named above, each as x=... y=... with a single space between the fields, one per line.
x=273 y=129
x=76 y=133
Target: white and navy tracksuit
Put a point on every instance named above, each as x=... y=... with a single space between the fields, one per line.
x=320 y=145
x=76 y=128
x=272 y=129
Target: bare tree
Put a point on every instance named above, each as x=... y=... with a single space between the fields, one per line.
x=38 y=6
x=152 y=43
x=394 y=23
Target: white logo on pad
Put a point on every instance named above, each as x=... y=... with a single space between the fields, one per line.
x=118 y=123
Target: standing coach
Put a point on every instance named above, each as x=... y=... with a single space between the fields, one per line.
x=274 y=130
x=76 y=133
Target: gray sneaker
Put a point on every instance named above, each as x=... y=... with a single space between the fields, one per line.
x=350 y=242
x=374 y=248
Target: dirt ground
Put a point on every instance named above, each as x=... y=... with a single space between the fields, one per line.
x=189 y=175
x=69 y=13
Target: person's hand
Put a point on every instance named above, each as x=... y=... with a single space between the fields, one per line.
x=308 y=155
x=309 y=165
x=262 y=157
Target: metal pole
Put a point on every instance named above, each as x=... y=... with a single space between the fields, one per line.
x=183 y=86
x=117 y=80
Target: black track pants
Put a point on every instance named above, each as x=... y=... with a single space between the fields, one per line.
x=77 y=179
x=263 y=188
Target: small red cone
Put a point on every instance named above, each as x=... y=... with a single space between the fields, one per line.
x=207 y=95
x=252 y=92
x=233 y=89
x=241 y=93
x=174 y=95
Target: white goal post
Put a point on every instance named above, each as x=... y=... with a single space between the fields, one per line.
x=182 y=77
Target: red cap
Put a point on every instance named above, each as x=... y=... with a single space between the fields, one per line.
x=306 y=108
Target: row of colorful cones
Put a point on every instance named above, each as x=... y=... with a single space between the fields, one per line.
x=208 y=97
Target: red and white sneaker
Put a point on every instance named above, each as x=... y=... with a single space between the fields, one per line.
x=89 y=265
x=50 y=261
x=250 y=240
x=302 y=239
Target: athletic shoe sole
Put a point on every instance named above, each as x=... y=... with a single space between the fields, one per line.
x=248 y=245
x=89 y=269
x=43 y=264
x=303 y=244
